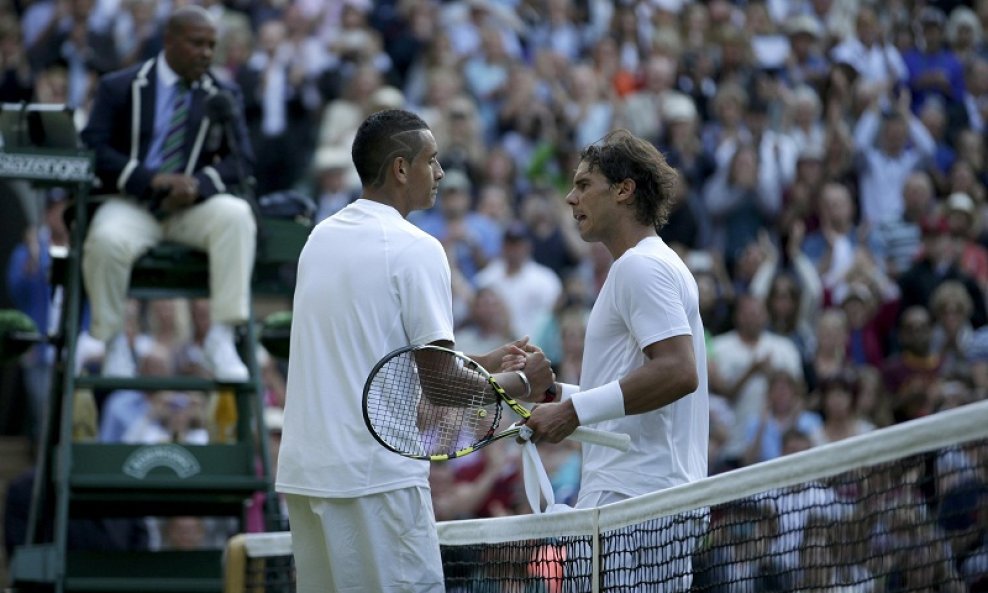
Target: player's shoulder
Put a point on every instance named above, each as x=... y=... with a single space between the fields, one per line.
x=650 y=254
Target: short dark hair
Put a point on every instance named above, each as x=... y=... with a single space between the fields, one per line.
x=383 y=137
x=621 y=155
x=192 y=14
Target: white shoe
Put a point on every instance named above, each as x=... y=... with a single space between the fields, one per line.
x=221 y=355
x=118 y=361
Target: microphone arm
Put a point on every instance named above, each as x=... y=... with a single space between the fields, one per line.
x=220 y=108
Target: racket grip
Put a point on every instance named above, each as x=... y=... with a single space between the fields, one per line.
x=614 y=440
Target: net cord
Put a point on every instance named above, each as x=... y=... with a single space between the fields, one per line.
x=902 y=440
x=942 y=429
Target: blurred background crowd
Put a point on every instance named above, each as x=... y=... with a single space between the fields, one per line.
x=833 y=190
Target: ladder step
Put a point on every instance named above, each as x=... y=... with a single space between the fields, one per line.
x=171 y=571
x=159 y=383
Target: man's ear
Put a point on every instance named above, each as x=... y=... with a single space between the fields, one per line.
x=399 y=167
x=626 y=191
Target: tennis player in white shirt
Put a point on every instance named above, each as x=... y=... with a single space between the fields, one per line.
x=644 y=365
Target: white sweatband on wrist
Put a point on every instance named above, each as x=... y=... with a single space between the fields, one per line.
x=599 y=404
x=568 y=389
x=524 y=380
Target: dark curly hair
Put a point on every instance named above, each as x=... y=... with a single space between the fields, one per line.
x=621 y=155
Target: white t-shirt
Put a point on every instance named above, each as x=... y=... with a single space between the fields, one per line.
x=530 y=293
x=369 y=282
x=649 y=296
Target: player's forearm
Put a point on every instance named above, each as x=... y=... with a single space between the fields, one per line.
x=658 y=384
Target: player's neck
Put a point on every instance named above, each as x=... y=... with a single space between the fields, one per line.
x=627 y=237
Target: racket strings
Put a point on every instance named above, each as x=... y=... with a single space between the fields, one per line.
x=434 y=409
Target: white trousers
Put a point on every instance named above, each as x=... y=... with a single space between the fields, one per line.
x=379 y=543
x=121 y=231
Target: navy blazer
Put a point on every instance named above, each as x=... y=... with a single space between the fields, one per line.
x=121 y=126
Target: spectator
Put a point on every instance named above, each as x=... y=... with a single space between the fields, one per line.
x=529 y=288
x=883 y=167
x=28 y=284
x=471 y=239
x=745 y=357
x=785 y=410
x=281 y=99
x=838 y=406
x=488 y=325
x=860 y=305
x=555 y=242
x=951 y=308
x=939 y=262
x=832 y=247
x=898 y=242
x=876 y=60
x=934 y=70
x=961 y=215
x=332 y=185
x=805 y=64
x=916 y=362
x=740 y=202
x=643 y=109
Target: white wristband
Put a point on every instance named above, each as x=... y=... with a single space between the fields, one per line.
x=598 y=404
x=524 y=380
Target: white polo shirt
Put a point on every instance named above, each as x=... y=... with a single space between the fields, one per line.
x=649 y=296
x=369 y=282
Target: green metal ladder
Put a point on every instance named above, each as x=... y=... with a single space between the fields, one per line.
x=96 y=480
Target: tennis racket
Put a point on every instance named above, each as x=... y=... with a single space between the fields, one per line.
x=433 y=403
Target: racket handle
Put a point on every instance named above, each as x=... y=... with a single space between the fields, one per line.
x=614 y=440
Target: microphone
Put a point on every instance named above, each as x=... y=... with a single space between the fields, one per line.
x=220 y=107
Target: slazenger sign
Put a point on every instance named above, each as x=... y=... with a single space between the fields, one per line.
x=143 y=460
x=44 y=167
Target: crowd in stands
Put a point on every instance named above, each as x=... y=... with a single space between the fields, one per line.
x=833 y=190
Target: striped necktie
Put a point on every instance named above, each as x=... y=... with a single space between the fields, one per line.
x=173 y=149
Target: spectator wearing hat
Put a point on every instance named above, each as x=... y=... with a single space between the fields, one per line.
x=333 y=176
x=962 y=221
x=805 y=64
x=529 y=288
x=964 y=33
x=859 y=306
x=934 y=70
x=680 y=140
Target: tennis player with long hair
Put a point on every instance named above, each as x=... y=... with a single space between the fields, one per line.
x=644 y=364
x=370 y=282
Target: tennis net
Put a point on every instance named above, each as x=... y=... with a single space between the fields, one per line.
x=900 y=509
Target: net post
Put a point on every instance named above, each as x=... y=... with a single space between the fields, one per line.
x=235 y=565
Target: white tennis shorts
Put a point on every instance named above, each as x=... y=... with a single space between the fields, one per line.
x=383 y=542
